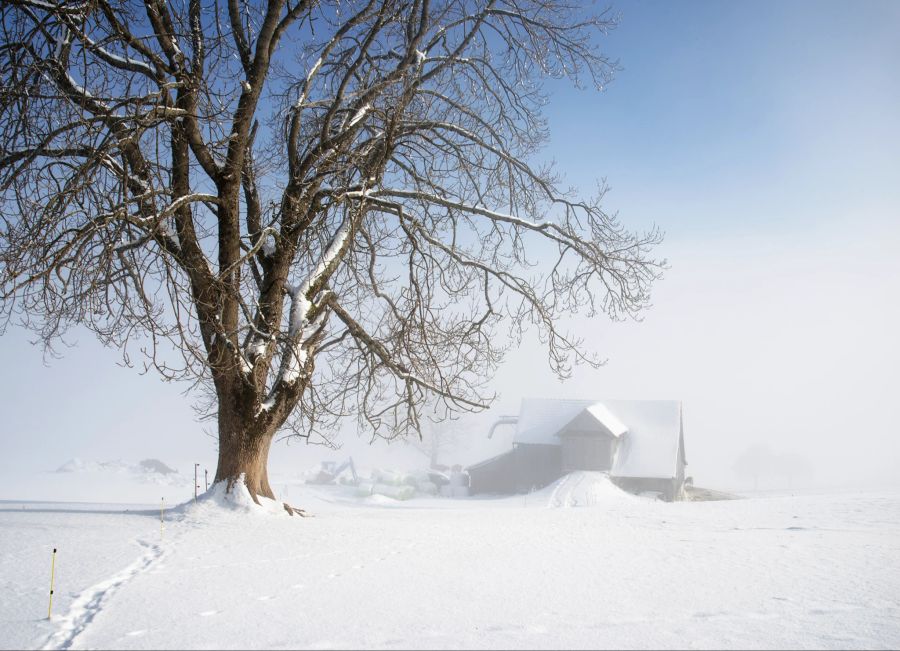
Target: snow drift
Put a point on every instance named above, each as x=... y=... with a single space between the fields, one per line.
x=586 y=488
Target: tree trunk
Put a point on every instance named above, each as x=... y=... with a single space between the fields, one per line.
x=243 y=451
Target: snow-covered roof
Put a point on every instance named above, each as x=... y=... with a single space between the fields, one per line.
x=647 y=448
x=598 y=414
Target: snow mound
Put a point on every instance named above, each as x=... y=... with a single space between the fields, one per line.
x=380 y=500
x=157 y=466
x=148 y=471
x=77 y=465
x=584 y=488
x=234 y=499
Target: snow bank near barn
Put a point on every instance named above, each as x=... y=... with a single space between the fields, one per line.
x=584 y=488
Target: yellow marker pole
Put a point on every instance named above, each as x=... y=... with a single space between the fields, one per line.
x=52 y=575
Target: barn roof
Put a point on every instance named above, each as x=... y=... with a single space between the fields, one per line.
x=648 y=446
x=599 y=419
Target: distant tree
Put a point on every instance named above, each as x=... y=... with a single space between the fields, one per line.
x=325 y=207
x=753 y=463
x=795 y=469
x=759 y=463
x=437 y=439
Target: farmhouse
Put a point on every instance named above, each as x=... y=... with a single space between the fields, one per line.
x=640 y=443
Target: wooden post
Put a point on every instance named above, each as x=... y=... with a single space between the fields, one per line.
x=206 y=477
x=52 y=576
x=196 y=485
x=162 y=505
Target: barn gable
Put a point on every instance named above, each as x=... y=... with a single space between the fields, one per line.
x=595 y=419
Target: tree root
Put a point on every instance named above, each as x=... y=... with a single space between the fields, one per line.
x=294 y=510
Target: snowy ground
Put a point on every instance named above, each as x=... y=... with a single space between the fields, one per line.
x=577 y=565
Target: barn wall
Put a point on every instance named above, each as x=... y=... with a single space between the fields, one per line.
x=587 y=451
x=524 y=468
x=537 y=466
x=497 y=475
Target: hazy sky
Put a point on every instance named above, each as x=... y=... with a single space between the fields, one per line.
x=764 y=139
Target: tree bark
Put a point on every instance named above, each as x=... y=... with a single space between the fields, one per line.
x=243 y=454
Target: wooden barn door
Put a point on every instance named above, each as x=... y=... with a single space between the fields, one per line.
x=582 y=452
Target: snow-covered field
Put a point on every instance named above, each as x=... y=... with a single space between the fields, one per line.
x=579 y=564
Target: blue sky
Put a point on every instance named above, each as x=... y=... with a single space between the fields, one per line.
x=764 y=139
x=728 y=116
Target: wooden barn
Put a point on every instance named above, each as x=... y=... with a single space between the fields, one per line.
x=640 y=443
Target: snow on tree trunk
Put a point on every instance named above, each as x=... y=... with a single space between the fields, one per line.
x=244 y=453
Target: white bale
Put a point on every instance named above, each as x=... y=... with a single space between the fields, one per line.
x=416 y=478
x=427 y=487
x=390 y=477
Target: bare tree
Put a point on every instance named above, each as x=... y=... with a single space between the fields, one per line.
x=437 y=439
x=329 y=208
